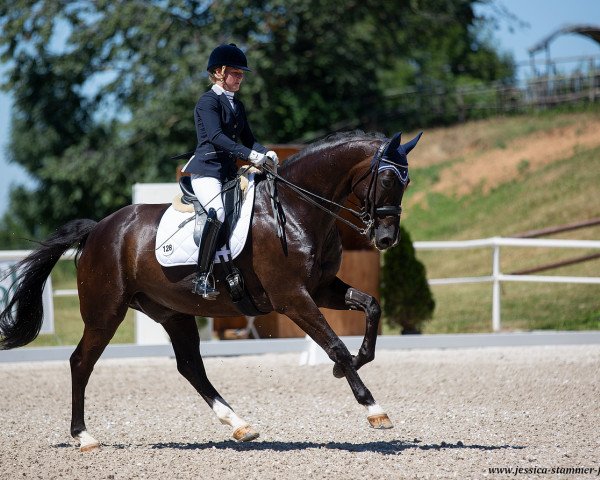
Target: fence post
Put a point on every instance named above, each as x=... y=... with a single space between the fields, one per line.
x=592 y=80
x=496 y=287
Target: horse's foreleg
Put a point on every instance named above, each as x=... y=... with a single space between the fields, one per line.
x=186 y=343
x=311 y=320
x=340 y=296
x=356 y=299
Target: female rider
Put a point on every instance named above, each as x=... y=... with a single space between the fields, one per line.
x=223 y=136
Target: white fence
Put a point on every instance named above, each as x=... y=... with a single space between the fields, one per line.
x=497 y=276
x=243 y=347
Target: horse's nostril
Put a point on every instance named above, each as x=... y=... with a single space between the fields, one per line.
x=385 y=242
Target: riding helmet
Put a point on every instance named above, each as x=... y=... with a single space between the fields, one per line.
x=228 y=55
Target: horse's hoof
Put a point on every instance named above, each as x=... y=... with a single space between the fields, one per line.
x=380 y=421
x=89 y=447
x=87 y=443
x=337 y=371
x=245 y=434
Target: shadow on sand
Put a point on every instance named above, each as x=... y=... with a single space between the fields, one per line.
x=392 y=447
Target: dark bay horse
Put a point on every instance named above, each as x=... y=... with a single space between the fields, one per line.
x=117 y=269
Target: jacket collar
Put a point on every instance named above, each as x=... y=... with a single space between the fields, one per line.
x=220 y=92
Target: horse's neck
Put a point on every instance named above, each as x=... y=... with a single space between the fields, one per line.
x=329 y=173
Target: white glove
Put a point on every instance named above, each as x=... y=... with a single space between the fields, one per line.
x=257 y=158
x=273 y=157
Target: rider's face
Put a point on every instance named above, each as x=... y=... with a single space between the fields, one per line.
x=232 y=79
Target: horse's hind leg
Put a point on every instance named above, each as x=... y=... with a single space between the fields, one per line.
x=185 y=339
x=340 y=296
x=101 y=323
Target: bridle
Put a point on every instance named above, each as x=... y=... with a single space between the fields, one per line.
x=380 y=163
x=366 y=215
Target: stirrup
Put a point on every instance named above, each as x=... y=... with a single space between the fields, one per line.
x=204 y=285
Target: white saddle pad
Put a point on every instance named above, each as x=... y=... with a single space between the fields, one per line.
x=175 y=244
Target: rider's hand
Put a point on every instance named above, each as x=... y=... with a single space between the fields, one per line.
x=273 y=157
x=257 y=158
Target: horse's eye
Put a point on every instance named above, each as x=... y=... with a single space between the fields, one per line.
x=386 y=182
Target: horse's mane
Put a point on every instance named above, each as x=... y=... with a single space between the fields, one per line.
x=332 y=141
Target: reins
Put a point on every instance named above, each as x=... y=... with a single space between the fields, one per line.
x=306 y=195
x=365 y=215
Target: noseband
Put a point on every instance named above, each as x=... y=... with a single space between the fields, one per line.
x=368 y=212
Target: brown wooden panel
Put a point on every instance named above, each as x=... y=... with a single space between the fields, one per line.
x=286 y=150
x=360 y=269
x=220 y=324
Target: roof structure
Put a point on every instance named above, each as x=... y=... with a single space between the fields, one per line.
x=590 y=31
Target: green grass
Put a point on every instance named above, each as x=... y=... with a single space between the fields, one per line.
x=559 y=193
x=68 y=326
x=430 y=175
x=519 y=126
x=524 y=307
x=501 y=133
x=480 y=136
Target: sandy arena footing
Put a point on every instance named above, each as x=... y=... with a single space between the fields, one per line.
x=456 y=414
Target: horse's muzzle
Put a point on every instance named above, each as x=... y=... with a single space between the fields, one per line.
x=386 y=237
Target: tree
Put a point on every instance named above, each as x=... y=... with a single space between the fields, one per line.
x=406 y=299
x=104 y=90
x=104 y=110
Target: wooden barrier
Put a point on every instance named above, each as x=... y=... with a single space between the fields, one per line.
x=360 y=268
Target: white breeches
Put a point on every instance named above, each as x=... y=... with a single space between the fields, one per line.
x=208 y=192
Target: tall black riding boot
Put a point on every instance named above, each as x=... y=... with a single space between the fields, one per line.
x=204 y=284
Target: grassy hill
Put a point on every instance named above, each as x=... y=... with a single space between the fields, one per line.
x=500 y=177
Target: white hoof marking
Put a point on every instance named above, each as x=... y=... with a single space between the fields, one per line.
x=87 y=442
x=375 y=409
x=226 y=415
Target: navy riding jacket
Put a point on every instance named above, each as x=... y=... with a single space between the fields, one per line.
x=223 y=136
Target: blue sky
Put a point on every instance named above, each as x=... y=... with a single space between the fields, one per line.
x=542 y=16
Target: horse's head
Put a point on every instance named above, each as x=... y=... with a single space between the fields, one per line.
x=385 y=188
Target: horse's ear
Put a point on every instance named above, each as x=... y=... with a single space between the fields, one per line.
x=392 y=148
x=410 y=145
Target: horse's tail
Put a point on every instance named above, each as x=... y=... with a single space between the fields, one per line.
x=21 y=325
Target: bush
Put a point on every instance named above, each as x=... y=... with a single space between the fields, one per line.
x=406 y=299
